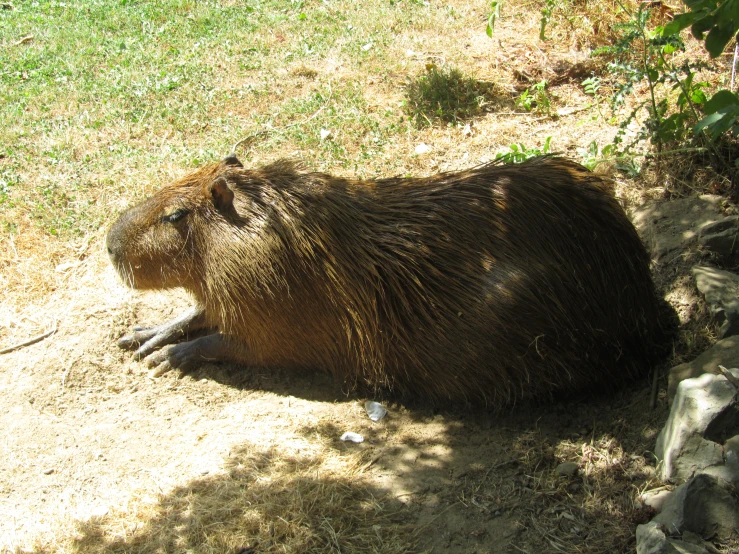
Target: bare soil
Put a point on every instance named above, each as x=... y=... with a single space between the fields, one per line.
x=88 y=435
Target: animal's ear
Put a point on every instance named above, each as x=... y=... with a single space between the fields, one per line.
x=222 y=194
x=232 y=160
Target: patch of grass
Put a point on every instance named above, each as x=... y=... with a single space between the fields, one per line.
x=444 y=95
x=268 y=501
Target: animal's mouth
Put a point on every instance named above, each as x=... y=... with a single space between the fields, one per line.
x=125 y=274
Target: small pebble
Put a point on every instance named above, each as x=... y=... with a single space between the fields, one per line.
x=352 y=437
x=567 y=469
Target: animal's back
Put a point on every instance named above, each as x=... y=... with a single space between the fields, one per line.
x=505 y=282
x=485 y=286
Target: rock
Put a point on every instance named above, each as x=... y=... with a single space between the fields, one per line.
x=567 y=469
x=672 y=227
x=710 y=509
x=651 y=539
x=695 y=455
x=725 y=352
x=704 y=505
x=655 y=499
x=731 y=462
x=721 y=292
x=721 y=238
x=703 y=410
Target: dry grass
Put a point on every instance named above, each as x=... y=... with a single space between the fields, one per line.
x=276 y=500
x=595 y=511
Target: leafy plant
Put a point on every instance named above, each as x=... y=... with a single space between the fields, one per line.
x=592 y=156
x=722 y=114
x=494 y=15
x=718 y=18
x=546 y=15
x=518 y=153
x=591 y=85
x=645 y=54
x=535 y=97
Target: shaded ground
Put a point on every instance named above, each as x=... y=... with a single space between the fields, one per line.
x=87 y=434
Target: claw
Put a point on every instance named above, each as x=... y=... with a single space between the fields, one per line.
x=147 y=340
x=161 y=370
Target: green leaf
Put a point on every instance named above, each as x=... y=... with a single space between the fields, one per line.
x=698 y=97
x=718 y=37
x=728 y=11
x=702 y=25
x=718 y=123
x=682 y=21
x=721 y=100
x=494 y=14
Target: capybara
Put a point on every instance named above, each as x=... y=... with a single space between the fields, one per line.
x=484 y=286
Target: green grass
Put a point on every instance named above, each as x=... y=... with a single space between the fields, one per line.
x=107 y=89
x=111 y=98
x=445 y=95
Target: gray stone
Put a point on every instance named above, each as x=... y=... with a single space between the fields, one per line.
x=695 y=455
x=651 y=539
x=731 y=457
x=725 y=352
x=721 y=238
x=729 y=471
x=710 y=508
x=699 y=403
x=704 y=505
x=683 y=547
x=732 y=445
x=655 y=499
x=669 y=228
x=721 y=292
x=671 y=516
x=567 y=469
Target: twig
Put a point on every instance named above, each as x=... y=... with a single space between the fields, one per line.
x=24 y=40
x=653 y=397
x=372 y=461
x=30 y=341
x=733 y=65
x=249 y=140
x=729 y=376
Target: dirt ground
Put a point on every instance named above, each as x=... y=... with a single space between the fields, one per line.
x=86 y=432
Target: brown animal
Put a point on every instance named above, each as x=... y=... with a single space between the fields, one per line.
x=489 y=285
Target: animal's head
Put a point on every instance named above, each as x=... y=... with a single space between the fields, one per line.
x=159 y=243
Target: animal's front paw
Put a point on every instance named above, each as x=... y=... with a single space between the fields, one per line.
x=146 y=340
x=184 y=356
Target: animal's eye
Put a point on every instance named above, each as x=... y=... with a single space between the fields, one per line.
x=175 y=216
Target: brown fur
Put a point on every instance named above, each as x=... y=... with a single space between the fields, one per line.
x=489 y=285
